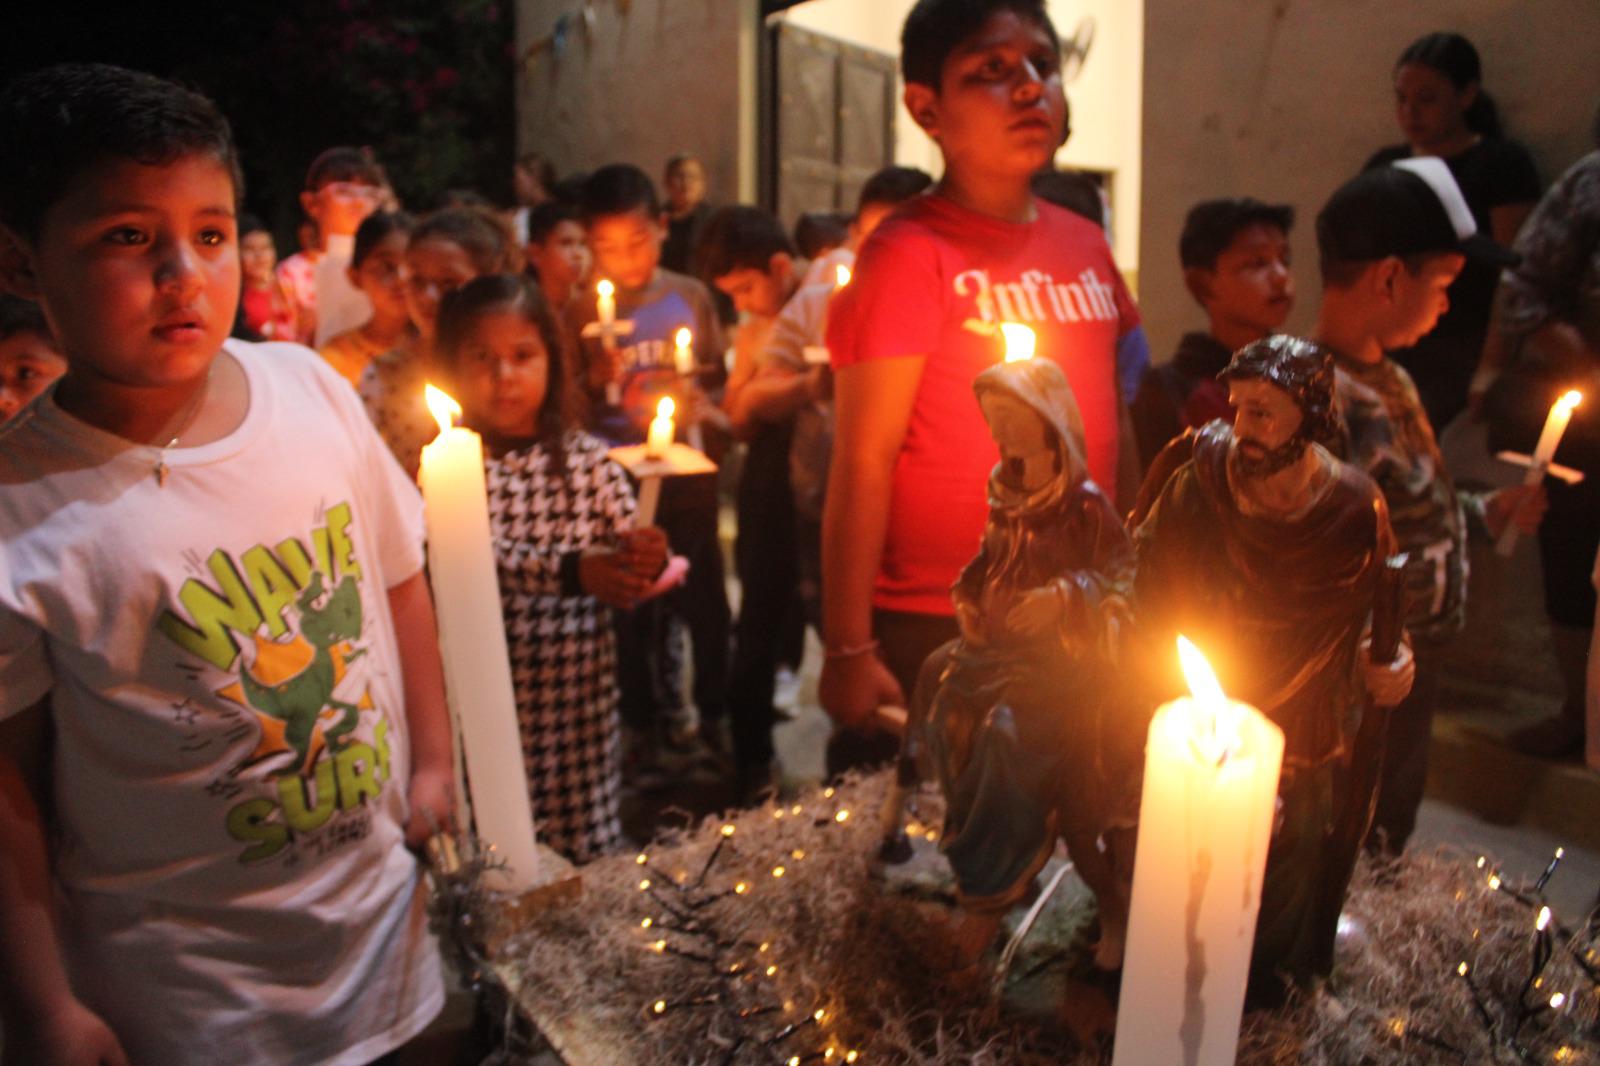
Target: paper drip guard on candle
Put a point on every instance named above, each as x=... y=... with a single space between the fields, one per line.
x=1205 y=824
x=472 y=646
x=650 y=467
x=1540 y=462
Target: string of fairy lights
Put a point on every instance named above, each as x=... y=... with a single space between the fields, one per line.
x=741 y=979
x=1506 y=1019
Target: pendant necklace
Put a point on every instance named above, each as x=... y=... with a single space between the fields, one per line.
x=162 y=470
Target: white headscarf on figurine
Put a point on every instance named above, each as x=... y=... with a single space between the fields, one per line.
x=1034 y=419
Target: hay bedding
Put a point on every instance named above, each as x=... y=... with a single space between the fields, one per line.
x=874 y=959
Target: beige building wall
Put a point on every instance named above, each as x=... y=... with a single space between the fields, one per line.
x=1284 y=100
x=664 y=77
x=1105 y=100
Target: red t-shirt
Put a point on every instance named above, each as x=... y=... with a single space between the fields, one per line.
x=935 y=279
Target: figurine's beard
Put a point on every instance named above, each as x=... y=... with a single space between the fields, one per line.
x=1268 y=462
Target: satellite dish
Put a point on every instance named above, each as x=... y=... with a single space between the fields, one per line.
x=1075 y=50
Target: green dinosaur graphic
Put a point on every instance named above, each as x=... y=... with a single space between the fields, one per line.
x=294 y=703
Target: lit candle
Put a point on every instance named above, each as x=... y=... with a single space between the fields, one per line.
x=1205 y=823
x=661 y=430
x=1020 y=341
x=606 y=310
x=682 y=353
x=1543 y=453
x=606 y=307
x=472 y=644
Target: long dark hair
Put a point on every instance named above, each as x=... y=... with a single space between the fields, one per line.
x=512 y=292
x=1454 y=56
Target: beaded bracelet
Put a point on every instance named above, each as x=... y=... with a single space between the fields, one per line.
x=850 y=652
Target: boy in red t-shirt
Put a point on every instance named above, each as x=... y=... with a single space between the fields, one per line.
x=906 y=498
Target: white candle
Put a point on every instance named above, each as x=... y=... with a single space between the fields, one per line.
x=1555 y=424
x=1205 y=824
x=661 y=430
x=472 y=643
x=605 y=308
x=682 y=353
x=1020 y=341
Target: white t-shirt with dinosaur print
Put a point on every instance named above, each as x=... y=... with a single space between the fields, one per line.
x=230 y=747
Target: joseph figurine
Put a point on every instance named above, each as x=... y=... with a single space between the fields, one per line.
x=1266 y=551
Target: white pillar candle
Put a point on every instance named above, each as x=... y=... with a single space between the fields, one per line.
x=1021 y=341
x=1555 y=424
x=1205 y=824
x=472 y=643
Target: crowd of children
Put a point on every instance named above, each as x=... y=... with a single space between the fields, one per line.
x=222 y=717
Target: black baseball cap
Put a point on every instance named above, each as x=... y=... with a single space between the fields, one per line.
x=1412 y=207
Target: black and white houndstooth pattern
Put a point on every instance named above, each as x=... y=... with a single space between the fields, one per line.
x=563 y=653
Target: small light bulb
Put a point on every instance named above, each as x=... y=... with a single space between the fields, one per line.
x=777 y=871
x=842 y=816
x=796 y=809
x=778 y=813
x=1560 y=852
x=1558 y=1000
x=659 y=947
x=661 y=1006
x=741 y=888
x=727 y=830
x=1481 y=861
x=819 y=1014
x=1544 y=919
x=771 y=970
x=797 y=854
x=827 y=793
x=1494 y=882
x=794 y=1060
x=764 y=946
x=850 y=1056
x=644 y=884
x=1462 y=969
x=642 y=859
x=647 y=923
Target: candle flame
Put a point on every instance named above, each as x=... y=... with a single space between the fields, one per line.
x=682 y=337
x=1020 y=341
x=444 y=409
x=1215 y=719
x=841 y=276
x=604 y=287
x=1569 y=399
x=666 y=408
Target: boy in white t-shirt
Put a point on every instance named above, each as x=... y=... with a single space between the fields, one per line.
x=221 y=709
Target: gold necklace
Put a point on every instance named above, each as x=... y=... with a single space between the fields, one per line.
x=162 y=470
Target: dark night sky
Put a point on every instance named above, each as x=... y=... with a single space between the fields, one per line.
x=427 y=83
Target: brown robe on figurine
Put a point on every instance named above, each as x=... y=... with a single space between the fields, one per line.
x=1022 y=716
x=1279 y=604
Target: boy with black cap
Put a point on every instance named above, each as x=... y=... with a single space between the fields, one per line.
x=1390 y=243
x=1235 y=257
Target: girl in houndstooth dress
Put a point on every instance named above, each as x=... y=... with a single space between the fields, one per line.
x=561 y=514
